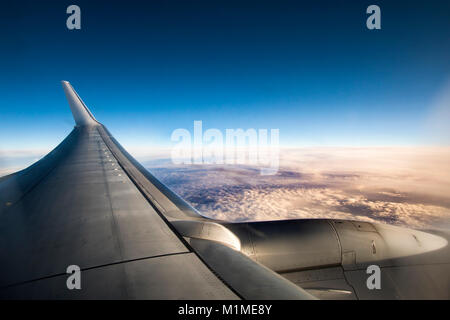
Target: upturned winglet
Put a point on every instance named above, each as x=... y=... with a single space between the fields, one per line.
x=80 y=112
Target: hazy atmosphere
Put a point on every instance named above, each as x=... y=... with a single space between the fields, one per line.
x=407 y=186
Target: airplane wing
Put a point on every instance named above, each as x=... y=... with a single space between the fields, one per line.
x=88 y=203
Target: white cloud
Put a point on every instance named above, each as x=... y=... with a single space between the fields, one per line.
x=403 y=186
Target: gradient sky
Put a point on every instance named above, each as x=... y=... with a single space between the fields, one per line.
x=310 y=68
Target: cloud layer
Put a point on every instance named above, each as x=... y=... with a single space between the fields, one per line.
x=401 y=186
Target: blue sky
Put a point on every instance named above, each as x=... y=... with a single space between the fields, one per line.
x=309 y=68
